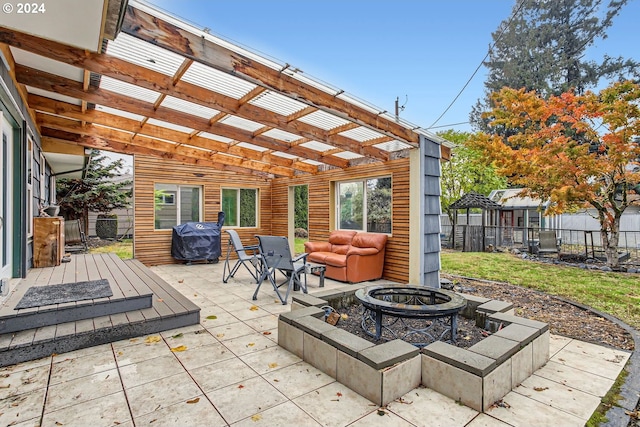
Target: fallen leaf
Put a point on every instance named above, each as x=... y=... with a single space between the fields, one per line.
x=541 y=388
x=251 y=344
x=275 y=380
x=5 y=386
x=266 y=333
x=381 y=412
x=212 y=317
x=256 y=417
x=179 y=348
x=120 y=353
x=181 y=281
x=273 y=365
x=153 y=339
x=133 y=340
x=220 y=335
x=177 y=336
x=58 y=423
x=344 y=316
x=160 y=300
x=254 y=308
x=196 y=400
x=240 y=386
x=339 y=394
x=634 y=414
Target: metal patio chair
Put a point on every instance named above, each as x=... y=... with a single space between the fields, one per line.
x=276 y=256
x=250 y=261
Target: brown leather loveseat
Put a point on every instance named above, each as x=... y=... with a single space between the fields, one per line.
x=350 y=256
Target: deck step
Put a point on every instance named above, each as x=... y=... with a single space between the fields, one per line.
x=70 y=312
x=164 y=308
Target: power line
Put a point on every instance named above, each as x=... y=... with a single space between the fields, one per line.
x=515 y=13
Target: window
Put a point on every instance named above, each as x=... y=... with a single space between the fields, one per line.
x=30 y=199
x=176 y=204
x=365 y=205
x=240 y=207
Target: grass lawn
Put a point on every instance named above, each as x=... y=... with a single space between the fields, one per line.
x=124 y=249
x=617 y=294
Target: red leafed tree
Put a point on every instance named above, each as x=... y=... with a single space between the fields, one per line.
x=576 y=151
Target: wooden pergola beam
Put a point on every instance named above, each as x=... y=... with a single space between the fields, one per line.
x=104 y=133
x=156 y=31
x=53 y=135
x=63 y=86
x=120 y=69
x=50 y=106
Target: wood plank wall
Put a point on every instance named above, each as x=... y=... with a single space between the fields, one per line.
x=320 y=203
x=153 y=247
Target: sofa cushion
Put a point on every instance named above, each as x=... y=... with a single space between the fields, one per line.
x=369 y=240
x=341 y=237
x=336 y=260
x=318 y=257
x=340 y=249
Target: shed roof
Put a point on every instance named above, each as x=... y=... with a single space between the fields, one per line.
x=474 y=200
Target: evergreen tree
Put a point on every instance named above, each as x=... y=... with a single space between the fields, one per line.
x=96 y=192
x=542 y=48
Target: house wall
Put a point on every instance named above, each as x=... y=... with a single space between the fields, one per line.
x=321 y=203
x=153 y=247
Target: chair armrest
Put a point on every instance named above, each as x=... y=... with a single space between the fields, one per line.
x=301 y=257
x=317 y=247
x=361 y=251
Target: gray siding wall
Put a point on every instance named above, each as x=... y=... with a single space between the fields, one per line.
x=430 y=248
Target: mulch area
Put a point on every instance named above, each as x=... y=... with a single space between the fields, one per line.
x=563 y=318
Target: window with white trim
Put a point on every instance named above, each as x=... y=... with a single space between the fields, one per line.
x=240 y=207
x=176 y=204
x=364 y=205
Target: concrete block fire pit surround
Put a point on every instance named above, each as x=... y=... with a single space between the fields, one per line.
x=476 y=377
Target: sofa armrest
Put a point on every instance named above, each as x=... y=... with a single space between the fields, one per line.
x=317 y=247
x=361 y=251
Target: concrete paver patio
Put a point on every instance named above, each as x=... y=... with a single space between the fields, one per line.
x=229 y=370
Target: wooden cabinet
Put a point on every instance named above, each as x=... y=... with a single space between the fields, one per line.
x=48 y=241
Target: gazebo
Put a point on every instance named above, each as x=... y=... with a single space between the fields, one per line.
x=473 y=238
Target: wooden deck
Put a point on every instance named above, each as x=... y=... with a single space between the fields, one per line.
x=142 y=303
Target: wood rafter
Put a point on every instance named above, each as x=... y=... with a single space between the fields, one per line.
x=104 y=133
x=53 y=135
x=57 y=84
x=164 y=34
x=116 y=68
x=50 y=106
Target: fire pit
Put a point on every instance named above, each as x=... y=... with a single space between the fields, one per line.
x=436 y=312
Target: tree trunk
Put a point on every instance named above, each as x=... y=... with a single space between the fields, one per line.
x=610 y=239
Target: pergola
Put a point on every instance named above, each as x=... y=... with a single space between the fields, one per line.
x=160 y=87
x=472 y=200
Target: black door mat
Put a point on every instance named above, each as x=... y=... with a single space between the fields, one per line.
x=37 y=296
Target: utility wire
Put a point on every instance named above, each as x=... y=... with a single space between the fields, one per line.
x=515 y=13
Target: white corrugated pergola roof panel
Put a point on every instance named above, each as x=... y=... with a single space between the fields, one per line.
x=241 y=123
x=52 y=95
x=251 y=146
x=361 y=134
x=298 y=75
x=282 y=135
x=189 y=107
x=168 y=125
x=277 y=103
x=285 y=155
x=317 y=146
x=360 y=103
x=217 y=81
x=120 y=113
x=215 y=137
x=348 y=155
x=38 y=62
x=127 y=89
x=392 y=146
x=312 y=162
x=144 y=54
x=323 y=120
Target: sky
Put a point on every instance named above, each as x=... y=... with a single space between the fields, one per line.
x=421 y=52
